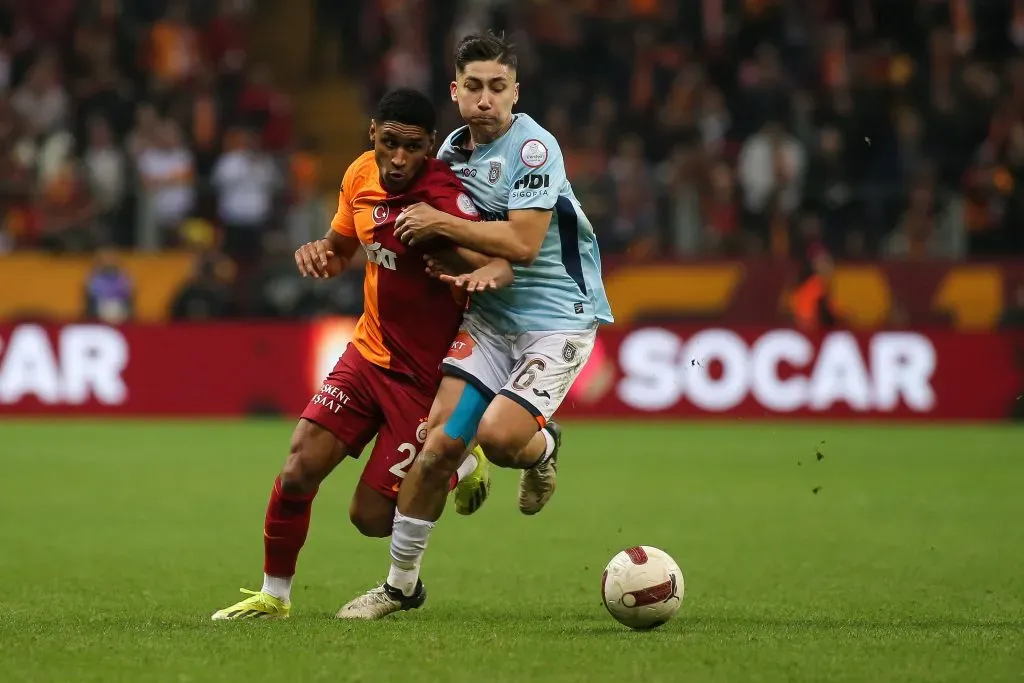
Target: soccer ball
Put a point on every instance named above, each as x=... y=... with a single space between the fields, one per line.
x=642 y=587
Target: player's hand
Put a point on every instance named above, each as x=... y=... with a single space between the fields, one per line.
x=470 y=282
x=418 y=223
x=317 y=259
x=436 y=267
x=494 y=275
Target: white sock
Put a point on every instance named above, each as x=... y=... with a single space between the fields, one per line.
x=549 y=442
x=549 y=447
x=467 y=467
x=408 y=543
x=278 y=586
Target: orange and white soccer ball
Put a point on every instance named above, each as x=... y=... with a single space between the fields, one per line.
x=642 y=587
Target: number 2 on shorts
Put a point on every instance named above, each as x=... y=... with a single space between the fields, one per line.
x=399 y=468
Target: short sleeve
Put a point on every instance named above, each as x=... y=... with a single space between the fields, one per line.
x=343 y=222
x=538 y=174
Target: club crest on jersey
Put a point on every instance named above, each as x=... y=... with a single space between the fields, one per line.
x=466 y=205
x=568 y=352
x=381 y=211
x=533 y=153
x=494 y=174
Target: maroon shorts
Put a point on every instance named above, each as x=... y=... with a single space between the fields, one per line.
x=359 y=400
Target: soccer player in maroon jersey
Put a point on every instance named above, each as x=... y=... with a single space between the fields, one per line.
x=384 y=383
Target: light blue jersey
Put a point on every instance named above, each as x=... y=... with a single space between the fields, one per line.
x=523 y=169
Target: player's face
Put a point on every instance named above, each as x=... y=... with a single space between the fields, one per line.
x=486 y=93
x=400 y=150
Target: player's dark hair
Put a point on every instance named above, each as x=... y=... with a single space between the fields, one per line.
x=408 y=106
x=485 y=48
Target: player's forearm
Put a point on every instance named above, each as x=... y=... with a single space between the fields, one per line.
x=495 y=238
x=474 y=259
x=459 y=260
x=503 y=273
x=341 y=245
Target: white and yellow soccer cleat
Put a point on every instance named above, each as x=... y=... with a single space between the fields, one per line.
x=258 y=605
x=537 y=484
x=471 y=492
x=381 y=601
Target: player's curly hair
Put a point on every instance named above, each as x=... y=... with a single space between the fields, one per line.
x=408 y=106
x=487 y=47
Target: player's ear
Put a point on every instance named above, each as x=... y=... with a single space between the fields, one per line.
x=454 y=88
x=373 y=131
x=515 y=93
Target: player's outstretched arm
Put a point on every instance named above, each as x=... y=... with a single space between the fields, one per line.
x=517 y=240
x=495 y=274
x=325 y=257
x=456 y=261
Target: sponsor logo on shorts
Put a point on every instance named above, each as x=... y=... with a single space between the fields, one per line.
x=568 y=352
x=380 y=213
x=494 y=174
x=332 y=398
x=461 y=347
x=533 y=153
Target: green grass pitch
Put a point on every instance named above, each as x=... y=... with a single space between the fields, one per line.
x=119 y=539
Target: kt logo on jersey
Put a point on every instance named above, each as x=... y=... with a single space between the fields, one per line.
x=382 y=256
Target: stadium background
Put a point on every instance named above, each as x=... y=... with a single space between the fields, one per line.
x=811 y=214
x=750 y=167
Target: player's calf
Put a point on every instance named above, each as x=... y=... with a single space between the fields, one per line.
x=453 y=420
x=313 y=454
x=371 y=512
x=421 y=501
x=427 y=484
x=509 y=435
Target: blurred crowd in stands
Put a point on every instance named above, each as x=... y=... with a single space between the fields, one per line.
x=861 y=128
x=887 y=128
x=144 y=124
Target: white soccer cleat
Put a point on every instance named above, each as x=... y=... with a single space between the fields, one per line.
x=381 y=601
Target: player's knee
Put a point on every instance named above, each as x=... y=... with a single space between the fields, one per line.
x=441 y=455
x=311 y=457
x=297 y=476
x=500 y=442
x=373 y=524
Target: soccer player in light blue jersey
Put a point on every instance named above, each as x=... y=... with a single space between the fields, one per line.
x=520 y=348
